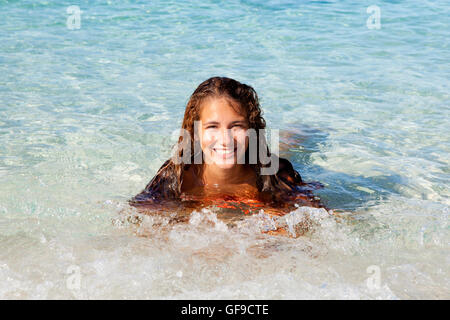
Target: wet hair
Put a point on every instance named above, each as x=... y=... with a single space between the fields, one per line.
x=168 y=180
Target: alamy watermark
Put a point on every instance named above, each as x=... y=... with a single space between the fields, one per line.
x=73 y=21
x=374 y=20
x=374 y=281
x=73 y=281
x=249 y=148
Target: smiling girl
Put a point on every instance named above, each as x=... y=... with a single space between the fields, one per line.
x=222 y=155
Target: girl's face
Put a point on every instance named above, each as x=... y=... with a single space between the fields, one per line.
x=222 y=133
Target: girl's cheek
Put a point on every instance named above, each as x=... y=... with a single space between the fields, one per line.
x=240 y=138
x=208 y=137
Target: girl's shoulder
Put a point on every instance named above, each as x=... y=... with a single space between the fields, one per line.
x=164 y=185
x=287 y=173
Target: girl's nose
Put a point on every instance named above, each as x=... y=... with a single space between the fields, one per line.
x=226 y=138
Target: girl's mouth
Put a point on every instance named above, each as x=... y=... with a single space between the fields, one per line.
x=224 y=152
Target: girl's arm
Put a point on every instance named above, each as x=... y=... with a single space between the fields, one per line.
x=163 y=186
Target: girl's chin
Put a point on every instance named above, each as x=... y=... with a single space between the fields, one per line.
x=223 y=163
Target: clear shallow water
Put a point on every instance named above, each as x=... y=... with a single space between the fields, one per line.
x=86 y=118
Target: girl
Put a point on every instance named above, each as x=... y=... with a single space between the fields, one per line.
x=222 y=157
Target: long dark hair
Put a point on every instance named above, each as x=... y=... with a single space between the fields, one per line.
x=168 y=181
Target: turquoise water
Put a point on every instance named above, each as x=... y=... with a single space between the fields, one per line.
x=87 y=117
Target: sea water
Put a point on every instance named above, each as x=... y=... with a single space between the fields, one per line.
x=92 y=94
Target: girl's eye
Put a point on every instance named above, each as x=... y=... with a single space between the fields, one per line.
x=211 y=127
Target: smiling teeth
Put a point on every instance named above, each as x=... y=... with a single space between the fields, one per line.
x=224 y=151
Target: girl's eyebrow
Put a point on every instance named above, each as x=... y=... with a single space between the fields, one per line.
x=210 y=122
x=216 y=123
x=238 y=122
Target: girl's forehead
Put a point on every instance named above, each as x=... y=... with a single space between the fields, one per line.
x=221 y=106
